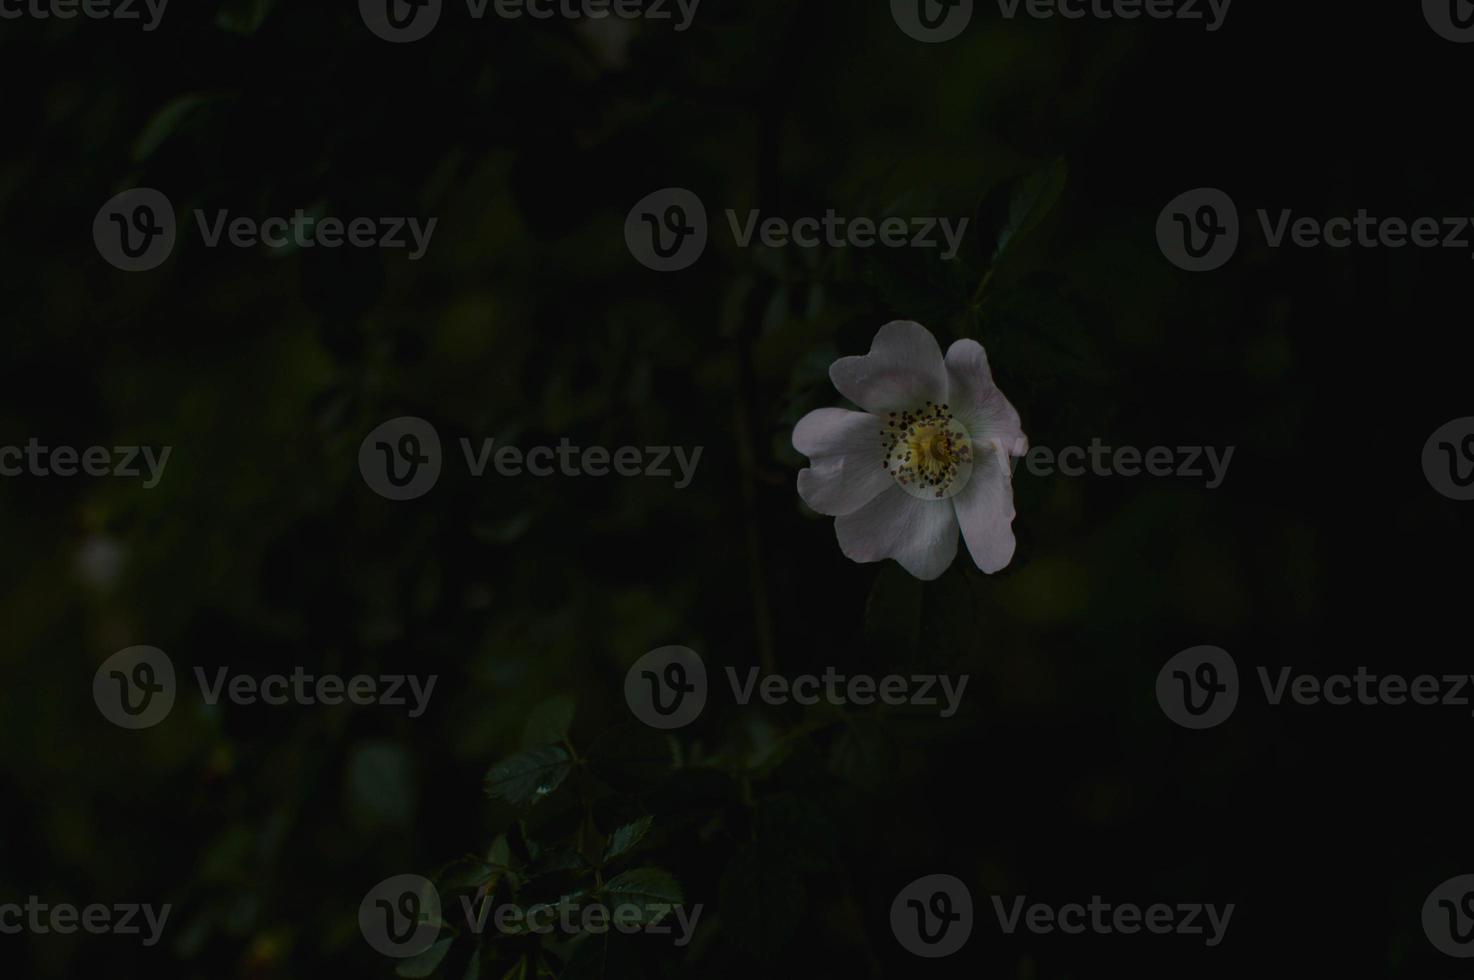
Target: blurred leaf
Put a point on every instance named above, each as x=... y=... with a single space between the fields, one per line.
x=530 y=967
x=467 y=873
x=381 y=784
x=625 y=838
x=596 y=957
x=556 y=873
x=1032 y=199
x=427 y=962
x=865 y=753
x=529 y=776
x=799 y=829
x=631 y=756
x=164 y=122
x=763 y=900
x=243 y=16
x=548 y=722
x=653 y=891
x=893 y=612
x=500 y=852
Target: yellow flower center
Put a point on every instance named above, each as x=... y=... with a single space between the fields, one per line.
x=927 y=451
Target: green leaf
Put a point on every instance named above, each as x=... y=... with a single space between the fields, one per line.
x=623 y=839
x=243 y=16
x=631 y=756
x=500 y=852
x=467 y=873
x=529 y=776
x=549 y=721
x=164 y=122
x=653 y=891
x=473 y=967
x=763 y=900
x=799 y=829
x=865 y=753
x=381 y=784
x=426 y=963
x=1032 y=200
x=893 y=613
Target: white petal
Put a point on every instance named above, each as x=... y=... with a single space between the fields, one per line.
x=838 y=432
x=976 y=401
x=848 y=457
x=903 y=371
x=920 y=534
x=985 y=511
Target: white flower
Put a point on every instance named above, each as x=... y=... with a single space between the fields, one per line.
x=928 y=454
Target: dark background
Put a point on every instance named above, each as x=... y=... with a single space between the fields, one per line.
x=262 y=548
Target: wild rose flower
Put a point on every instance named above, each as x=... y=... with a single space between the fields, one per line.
x=927 y=456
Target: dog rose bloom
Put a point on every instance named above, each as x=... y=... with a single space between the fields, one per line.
x=927 y=456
